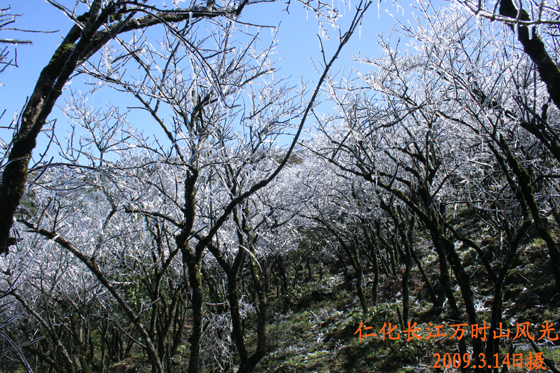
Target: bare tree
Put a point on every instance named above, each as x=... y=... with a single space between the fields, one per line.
x=536 y=28
x=161 y=205
x=436 y=128
x=101 y=22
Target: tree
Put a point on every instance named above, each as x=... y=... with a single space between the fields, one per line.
x=536 y=30
x=435 y=128
x=161 y=206
x=101 y=22
x=338 y=210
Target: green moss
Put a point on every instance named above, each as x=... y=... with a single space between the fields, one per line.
x=58 y=59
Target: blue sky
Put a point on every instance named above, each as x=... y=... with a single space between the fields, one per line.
x=297 y=43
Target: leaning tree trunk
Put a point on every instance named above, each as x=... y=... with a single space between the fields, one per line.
x=535 y=49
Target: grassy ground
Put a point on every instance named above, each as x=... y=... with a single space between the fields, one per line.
x=313 y=329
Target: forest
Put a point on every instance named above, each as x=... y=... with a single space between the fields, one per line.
x=401 y=216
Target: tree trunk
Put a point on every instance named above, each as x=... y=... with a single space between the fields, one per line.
x=524 y=182
x=535 y=49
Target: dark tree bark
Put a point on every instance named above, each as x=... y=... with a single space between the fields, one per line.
x=528 y=192
x=405 y=229
x=535 y=49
